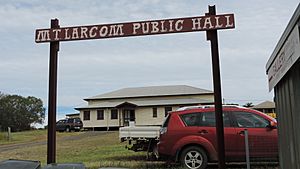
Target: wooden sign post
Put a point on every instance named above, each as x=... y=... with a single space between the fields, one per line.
x=212 y=36
x=51 y=145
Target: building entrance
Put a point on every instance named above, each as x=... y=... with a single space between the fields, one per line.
x=128 y=115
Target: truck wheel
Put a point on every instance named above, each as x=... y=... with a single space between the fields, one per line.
x=193 y=157
x=68 y=129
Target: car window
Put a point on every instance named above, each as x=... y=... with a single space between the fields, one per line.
x=204 y=119
x=61 y=121
x=70 y=120
x=77 y=120
x=191 y=119
x=250 y=120
x=208 y=119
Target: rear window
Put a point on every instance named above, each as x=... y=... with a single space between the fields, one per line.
x=166 y=122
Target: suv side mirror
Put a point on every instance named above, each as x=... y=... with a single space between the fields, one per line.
x=272 y=125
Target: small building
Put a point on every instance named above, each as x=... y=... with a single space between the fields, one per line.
x=283 y=70
x=266 y=107
x=142 y=105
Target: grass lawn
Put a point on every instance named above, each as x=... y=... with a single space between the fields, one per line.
x=95 y=151
x=29 y=136
x=103 y=150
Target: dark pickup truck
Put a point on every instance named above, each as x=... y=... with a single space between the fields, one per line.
x=69 y=125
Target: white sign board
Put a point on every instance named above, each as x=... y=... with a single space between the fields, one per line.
x=285 y=58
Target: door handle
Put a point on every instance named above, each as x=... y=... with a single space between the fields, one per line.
x=203 y=132
x=242 y=133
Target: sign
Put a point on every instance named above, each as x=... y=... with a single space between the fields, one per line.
x=284 y=59
x=209 y=22
x=191 y=24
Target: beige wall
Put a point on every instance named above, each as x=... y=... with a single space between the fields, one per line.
x=93 y=122
x=143 y=115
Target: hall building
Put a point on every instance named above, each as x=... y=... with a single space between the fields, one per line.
x=143 y=105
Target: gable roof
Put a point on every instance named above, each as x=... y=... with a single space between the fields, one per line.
x=265 y=105
x=151 y=91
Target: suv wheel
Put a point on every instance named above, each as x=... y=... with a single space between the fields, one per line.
x=68 y=129
x=193 y=157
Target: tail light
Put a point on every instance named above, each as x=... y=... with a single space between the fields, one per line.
x=163 y=130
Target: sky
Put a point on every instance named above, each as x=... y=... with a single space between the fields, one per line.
x=92 y=67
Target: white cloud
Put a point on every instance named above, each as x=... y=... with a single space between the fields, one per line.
x=89 y=68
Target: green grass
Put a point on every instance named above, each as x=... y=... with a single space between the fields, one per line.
x=101 y=151
x=98 y=151
x=28 y=136
x=21 y=137
x=3 y=137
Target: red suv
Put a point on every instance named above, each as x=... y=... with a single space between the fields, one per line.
x=188 y=135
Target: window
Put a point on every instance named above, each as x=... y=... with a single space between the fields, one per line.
x=86 y=115
x=191 y=119
x=70 y=120
x=154 y=112
x=100 y=114
x=77 y=120
x=208 y=119
x=250 y=120
x=114 y=114
x=167 y=110
x=61 y=122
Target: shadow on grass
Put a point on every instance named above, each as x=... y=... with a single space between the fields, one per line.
x=129 y=158
x=243 y=165
x=140 y=161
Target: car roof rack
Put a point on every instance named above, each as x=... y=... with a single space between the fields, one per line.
x=206 y=107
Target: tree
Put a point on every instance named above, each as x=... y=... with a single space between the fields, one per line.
x=1 y=111
x=20 y=112
x=250 y=104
